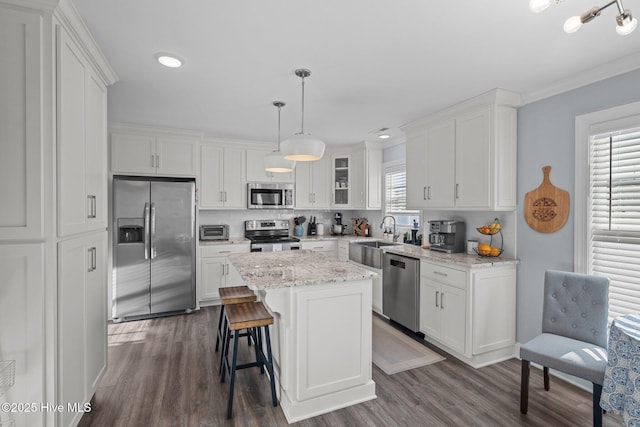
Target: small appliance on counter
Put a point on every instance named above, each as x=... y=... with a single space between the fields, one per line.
x=298 y=230
x=214 y=232
x=337 y=229
x=312 y=228
x=447 y=236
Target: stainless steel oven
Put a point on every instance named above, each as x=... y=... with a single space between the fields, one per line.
x=269 y=196
x=270 y=236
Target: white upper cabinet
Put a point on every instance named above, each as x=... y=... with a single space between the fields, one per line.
x=312 y=184
x=222 y=177
x=82 y=142
x=153 y=152
x=21 y=125
x=430 y=172
x=256 y=172
x=341 y=180
x=465 y=157
x=356 y=181
x=373 y=177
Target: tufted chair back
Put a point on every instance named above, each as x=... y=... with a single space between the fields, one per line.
x=576 y=306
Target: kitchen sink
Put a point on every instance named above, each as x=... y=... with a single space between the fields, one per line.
x=368 y=253
x=375 y=244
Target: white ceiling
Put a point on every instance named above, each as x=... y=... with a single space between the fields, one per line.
x=374 y=63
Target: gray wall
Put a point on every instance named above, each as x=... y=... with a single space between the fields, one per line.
x=546 y=136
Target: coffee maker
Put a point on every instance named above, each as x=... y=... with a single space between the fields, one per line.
x=447 y=236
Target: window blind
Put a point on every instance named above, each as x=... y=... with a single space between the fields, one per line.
x=396 y=193
x=615 y=217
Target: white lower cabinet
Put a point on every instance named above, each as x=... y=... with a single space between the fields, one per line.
x=216 y=271
x=82 y=320
x=326 y=247
x=469 y=312
x=343 y=250
x=442 y=308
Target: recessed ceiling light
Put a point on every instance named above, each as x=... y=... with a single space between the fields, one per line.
x=384 y=136
x=169 y=60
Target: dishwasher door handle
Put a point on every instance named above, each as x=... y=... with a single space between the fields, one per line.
x=396 y=263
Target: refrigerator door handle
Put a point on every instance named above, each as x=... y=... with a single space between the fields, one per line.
x=152 y=227
x=146 y=231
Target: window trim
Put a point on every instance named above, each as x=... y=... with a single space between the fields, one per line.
x=621 y=117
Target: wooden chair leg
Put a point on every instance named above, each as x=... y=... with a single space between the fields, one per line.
x=524 y=387
x=597 y=411
x=545 y=370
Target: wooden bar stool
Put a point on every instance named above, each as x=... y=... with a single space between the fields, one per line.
x=228 y=296
x=231 y=295
x=254 y=317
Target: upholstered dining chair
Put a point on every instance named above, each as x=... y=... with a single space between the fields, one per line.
x=574 y=333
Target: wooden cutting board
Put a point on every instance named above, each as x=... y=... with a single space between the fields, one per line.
x=547 y=207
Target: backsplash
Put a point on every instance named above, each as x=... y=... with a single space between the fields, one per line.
x=236 y=218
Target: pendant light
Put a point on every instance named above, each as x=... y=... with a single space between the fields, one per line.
x=302 y=146
x=275 y=161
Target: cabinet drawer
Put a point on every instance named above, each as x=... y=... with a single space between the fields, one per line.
x=322 y=245
x=442 y=274
x=222 y=250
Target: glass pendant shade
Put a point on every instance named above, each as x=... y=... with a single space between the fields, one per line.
x=302 y=147
x=275 y=162
x=572 y=24
x=537 y=6
x=626 y=24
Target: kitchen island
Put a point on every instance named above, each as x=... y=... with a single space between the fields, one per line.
x=321 y=335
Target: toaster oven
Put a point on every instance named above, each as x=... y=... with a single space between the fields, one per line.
x=214 y=232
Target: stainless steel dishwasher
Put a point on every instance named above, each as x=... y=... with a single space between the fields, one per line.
x=401 y=290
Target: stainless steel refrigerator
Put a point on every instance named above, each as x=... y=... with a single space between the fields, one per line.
x=154 y=246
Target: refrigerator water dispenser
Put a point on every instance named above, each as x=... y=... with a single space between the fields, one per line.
x=130 y=230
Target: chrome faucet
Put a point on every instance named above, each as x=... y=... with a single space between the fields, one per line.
x=395 y=236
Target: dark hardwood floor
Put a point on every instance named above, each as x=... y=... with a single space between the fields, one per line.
x=164 y=372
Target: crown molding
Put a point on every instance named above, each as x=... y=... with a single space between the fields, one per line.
x=602 y=72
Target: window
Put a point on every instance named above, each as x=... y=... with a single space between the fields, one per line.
x=615 y=216
x=395 y=184
x=609 y=223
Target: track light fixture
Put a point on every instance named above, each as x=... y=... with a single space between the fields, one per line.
x=626 y=23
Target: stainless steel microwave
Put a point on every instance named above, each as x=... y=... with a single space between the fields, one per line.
x=214 y=232
x=269 y=196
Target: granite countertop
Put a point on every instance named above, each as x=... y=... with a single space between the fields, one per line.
x=348 y=237
x=461 y=259
x=270 y=270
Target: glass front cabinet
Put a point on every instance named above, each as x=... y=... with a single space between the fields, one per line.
x=341 y=181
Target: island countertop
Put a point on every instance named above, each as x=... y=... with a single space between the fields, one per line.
x=271 y=270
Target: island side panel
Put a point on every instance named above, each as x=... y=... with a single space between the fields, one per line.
x=324 y=346
x=334 y=336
